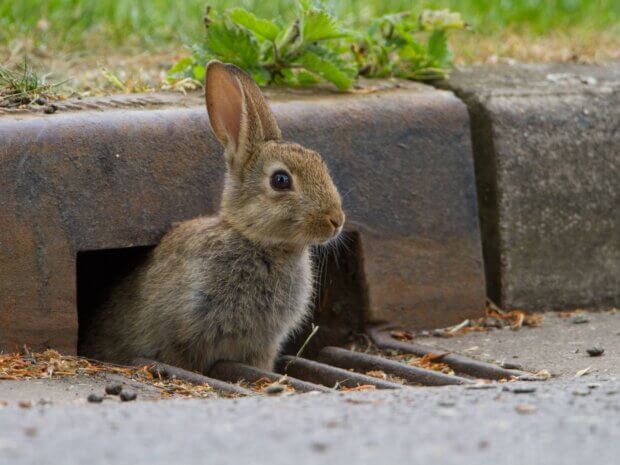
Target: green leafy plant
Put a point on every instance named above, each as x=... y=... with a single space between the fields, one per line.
x=315 y=46
x=394 y=45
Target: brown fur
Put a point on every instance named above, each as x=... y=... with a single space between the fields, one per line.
x=236 y=285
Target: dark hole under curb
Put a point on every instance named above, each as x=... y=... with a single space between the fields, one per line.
x=340 y=304
x=98 y=271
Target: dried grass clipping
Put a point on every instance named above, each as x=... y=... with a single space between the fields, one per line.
x=495 y=318
x=51 y=364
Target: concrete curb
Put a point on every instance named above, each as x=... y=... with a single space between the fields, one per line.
x=547 y=154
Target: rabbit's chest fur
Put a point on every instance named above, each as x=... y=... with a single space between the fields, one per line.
x=207 y=294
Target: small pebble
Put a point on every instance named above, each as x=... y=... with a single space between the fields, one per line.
x=319 y=446
x=95 y=398
x=594 y=385
x=481 y=386
x=579 y=319
x=30 y=431
x=50 y=109
x=446 y=403
x=127 y=396
x=275 y=388
x=114 y=389
x=511 y=366
x=41 y=101
x=523 y=390
x=581 y=392
x=595 y=351
x=524 y=409
x=25 y=403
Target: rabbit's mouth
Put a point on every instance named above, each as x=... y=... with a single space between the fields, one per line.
x=326 y=229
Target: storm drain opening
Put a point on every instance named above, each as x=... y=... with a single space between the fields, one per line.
x=346 y=369
x=345 y=354
x=384 y=363
x=97 y=272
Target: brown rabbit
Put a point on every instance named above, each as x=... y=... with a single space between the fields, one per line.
x=232 y=286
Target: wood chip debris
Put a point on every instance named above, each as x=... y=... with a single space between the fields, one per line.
x=525 y=409
x=495 y=318
x=51 y=364
x=583 y=372
x=361 y=387
x=400 y=335
x=380 y=374
x=265 y=385
x=429 y=362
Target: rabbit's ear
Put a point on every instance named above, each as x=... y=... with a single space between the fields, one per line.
x=239 y=115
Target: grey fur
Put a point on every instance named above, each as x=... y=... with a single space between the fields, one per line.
x=203 y=295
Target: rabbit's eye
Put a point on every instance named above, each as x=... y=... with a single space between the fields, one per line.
x=280 y=181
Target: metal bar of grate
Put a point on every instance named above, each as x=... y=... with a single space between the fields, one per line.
x=343 y=358
x=234 y=371
x=169 y=371
x=327 y=375
x=383 y=339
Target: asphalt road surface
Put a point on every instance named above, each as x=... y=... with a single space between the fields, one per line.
x=564 y=422
x=567 y=420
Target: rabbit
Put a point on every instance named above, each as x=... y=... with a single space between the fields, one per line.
x=236 y=285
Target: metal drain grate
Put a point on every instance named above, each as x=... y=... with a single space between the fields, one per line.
x=338 y=367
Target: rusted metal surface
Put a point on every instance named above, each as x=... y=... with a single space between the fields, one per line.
x=467 y=366
x=234 y=372
x=92 y=180
x=105 y=103
x=343 y=358
x=328 y=375
x=169 y=371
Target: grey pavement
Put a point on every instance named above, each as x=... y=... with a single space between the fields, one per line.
x=557 y=345
x=562 y=422
x=566 y=420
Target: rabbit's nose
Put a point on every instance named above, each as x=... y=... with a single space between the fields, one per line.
x=336 y=219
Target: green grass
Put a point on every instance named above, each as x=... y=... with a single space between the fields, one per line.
x=23 y=86
x=88 y=25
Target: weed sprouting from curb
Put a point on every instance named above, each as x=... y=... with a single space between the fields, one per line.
x=24 y=86
x=314 y=46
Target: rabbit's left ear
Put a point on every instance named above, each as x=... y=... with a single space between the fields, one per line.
x=239 y=114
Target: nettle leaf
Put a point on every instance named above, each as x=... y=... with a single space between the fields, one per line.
x=314 y=46
x=285 y=77
x=260 y=75
x=181 y=68
x=199 y=72
x=320 y=25
x=438 y=47
x=305 y=78
x=262 y=27
x=329 y=67
x=233 y=44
